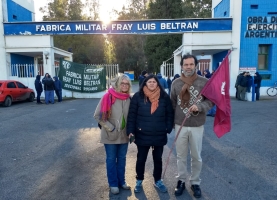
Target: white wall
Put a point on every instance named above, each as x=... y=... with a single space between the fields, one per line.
x=3 y=69
x=28 y=4
x=177 y=67
x=215 y=3
x=205 y=40
x=235 y=13
x=36 y=41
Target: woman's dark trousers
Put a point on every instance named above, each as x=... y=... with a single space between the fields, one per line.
x=157 y=152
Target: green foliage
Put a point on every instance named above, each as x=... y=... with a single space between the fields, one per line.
x=109 y=51
x=129 y=49
x=75 y=10
x=91 y=9
x=159 y=48
x=131 y=52
x=165 y=9
x=197 y=8
x=55 y=11
x=86 y=49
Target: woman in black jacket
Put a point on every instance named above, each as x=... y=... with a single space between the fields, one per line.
x=150 y=118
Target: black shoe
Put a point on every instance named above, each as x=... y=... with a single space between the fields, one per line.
x=180 y=188
x=196 y=191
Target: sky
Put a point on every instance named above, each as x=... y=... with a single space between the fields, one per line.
x=106 y=6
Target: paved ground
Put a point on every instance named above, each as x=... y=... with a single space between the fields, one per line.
x=53 y=152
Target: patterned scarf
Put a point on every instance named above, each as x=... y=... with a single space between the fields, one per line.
x=108 y=100
x=185 y=94
x=153 y=97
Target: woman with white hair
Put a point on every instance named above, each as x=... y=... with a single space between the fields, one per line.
x=111 y=113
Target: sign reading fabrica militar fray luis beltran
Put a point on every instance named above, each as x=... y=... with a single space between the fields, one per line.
x=118 y=27
x=82 y=78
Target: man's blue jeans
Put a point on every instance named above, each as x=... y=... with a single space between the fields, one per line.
x=115 y=163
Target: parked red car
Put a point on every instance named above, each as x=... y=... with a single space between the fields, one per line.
x=11 y=91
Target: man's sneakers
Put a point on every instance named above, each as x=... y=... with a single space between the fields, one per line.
x=180 y=188
x=196 y=191
x=160 y=185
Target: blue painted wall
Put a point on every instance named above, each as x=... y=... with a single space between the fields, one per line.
x=17 y=13
x=250 y=45
x=22 y=60
x=218 y=58
x=222 y=9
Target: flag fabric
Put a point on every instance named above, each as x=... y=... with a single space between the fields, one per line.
x=217 y=90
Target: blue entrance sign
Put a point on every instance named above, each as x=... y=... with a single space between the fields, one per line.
x=118 y=27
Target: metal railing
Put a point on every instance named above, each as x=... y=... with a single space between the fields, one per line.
x=202 y=66
x=26 y=70
x=167 y=69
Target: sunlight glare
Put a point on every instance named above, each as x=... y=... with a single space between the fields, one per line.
x=106 y=14
x=105 y=19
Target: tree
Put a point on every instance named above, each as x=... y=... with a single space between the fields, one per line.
x=75 y=10
x=159 y=48
x=86 y=49
x=56 y=10
x=197 y=8
x=92 y=9
x=129 y=49
x=109 y=51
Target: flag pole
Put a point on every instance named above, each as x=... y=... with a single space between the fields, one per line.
x=176 y=137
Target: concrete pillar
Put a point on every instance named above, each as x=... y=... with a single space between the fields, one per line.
x=162 y=69
x=49 y=61
x=177 y=67
x=235 y=13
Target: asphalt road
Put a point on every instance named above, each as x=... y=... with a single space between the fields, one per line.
x=53 y=152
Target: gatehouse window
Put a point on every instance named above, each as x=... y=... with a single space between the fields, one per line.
x=254 y=6
x=263 y=56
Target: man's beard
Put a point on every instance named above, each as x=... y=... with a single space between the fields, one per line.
x=188 y=74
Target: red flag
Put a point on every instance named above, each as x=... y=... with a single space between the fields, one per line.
x=217 y=90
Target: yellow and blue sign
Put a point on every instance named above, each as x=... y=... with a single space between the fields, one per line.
x=131 y=74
